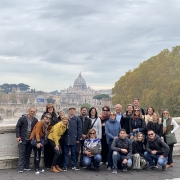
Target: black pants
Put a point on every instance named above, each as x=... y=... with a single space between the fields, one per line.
x=48 y=155
x=104 y=152
x=24 y=155
x=61 y=161
x=57 y=153
x=170 y=159
x=37 y=157
x=79 y=146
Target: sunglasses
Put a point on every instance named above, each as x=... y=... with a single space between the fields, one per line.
x=150 y=134
x=165 y=113
x=136 y=110
x=105 y=110
x=48 y=117
x=92 y=133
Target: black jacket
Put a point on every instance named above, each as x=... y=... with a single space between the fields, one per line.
x=54 y=118
x=74 y=131
x=161 y=147
x=22 y=126
x=138 y=147
x=119 y=144
x=156 y=127
x=86 y=124
x=140 y=125
x=125 y=120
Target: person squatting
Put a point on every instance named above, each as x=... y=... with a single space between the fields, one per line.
x=133 y=140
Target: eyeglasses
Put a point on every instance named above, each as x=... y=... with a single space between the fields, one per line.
x=165 y=113
x=48 y=117
x=92 y=133
x=112 y=115
x=150 y=134
x=105 y=110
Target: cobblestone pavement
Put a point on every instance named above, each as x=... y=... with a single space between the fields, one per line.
x=102 y=174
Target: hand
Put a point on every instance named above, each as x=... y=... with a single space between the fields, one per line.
x=57 y=148
x=124 y=150
x=90 y=155
x=161 y=156
x=115 y=137
x=18 y=139
x=87 y=153
x=154 y=152
x=84 y=136
x=124 y=161
x=77 y=142
x=103 y=124
x=38 y=145
x=134 y=130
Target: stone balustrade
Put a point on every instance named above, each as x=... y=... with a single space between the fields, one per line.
x=9 y=146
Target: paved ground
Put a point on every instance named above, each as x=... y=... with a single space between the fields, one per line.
x=103 y=174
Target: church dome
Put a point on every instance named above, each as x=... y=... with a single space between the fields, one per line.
x=80 y=82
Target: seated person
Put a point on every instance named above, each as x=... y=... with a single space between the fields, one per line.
x=138 y=150
x=92 y=150
x=122 y=150
x=156 y=150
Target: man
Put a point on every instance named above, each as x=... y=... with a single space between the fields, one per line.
x=156 y=150
x=72 y=136
x=122 y=150
x=125 y=120
x=136 y=104
x=86 y=126
x=24 y=128
x=118 y=109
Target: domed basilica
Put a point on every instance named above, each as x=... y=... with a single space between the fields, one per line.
x=79 y=93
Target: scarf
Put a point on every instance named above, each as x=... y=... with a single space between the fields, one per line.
x=104 y=117
x=45 y=128
x=164 y=124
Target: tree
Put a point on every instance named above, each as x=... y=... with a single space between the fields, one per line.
x=88 y=106
x=51 y=100
x=100 y=97
x=12 y=98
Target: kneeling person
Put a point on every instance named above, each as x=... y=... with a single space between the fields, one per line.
x=122 y=150
x=156 y=150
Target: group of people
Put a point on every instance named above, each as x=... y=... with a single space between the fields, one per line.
x=132 y=140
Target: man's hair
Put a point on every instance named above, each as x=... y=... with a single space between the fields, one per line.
x=83 y=108
x=122 y=130
x=150 y=130
x=136 y=99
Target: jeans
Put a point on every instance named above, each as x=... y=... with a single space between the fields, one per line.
x=109 y=157
x=150 y=157
x=170 y=159
x=37 y=156
x=88 y=160
x=57 y=153
x=24 y=155
x=118 y=157
x=73 y=155
x=79 y=146
x=48 y=155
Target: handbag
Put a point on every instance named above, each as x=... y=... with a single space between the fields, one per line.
x=171 y=139
x=43 y=141
x=94 y=150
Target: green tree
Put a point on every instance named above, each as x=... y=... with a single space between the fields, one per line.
x=51 y=100
x=88 y=106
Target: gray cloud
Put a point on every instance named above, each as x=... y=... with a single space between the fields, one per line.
x=50 y=42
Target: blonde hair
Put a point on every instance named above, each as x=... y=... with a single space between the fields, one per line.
x=137 y=135
x=65 y=117
x=90 y=131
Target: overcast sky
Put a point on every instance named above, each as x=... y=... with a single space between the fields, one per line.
x=46 y=44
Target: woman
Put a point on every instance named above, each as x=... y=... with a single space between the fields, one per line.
x=54 y=136
x=92 y=150
x=112 y=129
x=149 y=114
x=48 y=152
x=104 y=118
x=138 y=150
x=169 y=126
x=137 y=123
x=40 y=130
x=96 y=122
x=155 y=125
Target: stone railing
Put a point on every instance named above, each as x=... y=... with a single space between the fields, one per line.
x=9 y=146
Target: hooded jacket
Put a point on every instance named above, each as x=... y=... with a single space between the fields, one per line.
x=112 y=129
x=22 y=126
x=157 y=144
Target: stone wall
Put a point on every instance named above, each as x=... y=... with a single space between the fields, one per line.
x=9 y=146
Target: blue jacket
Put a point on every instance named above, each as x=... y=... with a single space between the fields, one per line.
x=112 y=129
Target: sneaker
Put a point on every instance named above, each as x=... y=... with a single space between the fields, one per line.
x=64 y=168
x=114 y=171
x=109 y=169
x=75 y=168
x=164 y=168
x=41 y=170
x=20 y=171
x=124 y=169
x=153 y=167
x=37 y=171
x=27 y=169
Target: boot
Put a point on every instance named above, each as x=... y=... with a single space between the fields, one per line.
x=58 y=168
x=53 y=169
